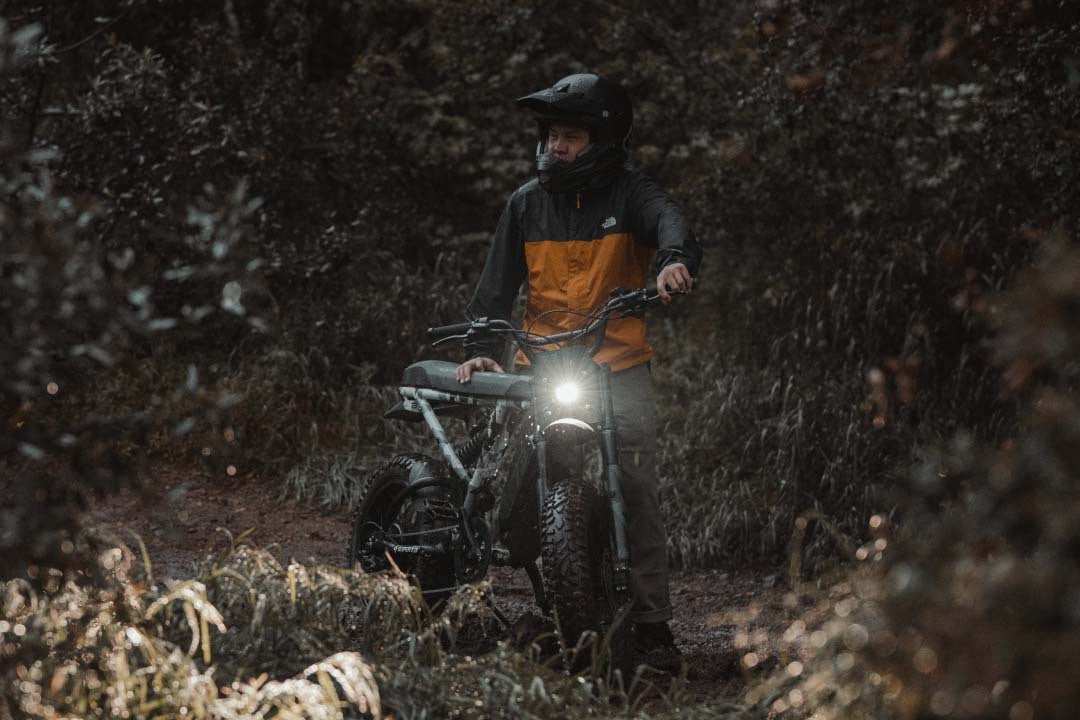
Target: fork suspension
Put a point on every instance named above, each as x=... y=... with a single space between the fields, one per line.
x=613 y=481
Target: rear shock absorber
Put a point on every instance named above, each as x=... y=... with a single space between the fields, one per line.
x=469 y=450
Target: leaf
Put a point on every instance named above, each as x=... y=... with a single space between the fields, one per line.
x=230 y=298
x=198 y=610
x=31 y=451
x=355 y=678
x=26 y=35
x=161 y=324
x=806 y=84
x=180 y=273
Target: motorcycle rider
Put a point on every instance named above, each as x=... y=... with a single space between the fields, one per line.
x=588 y=223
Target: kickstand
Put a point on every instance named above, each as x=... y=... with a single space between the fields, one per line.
x=489 y=598
x=538 y=587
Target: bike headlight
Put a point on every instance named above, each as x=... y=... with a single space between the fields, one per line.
x=567 y=392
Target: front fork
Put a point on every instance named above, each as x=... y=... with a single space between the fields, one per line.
x=613 y=479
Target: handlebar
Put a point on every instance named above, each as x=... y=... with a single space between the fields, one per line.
x=621 y=304
x=441 y=332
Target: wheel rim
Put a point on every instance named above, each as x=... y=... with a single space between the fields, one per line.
x=402 y=519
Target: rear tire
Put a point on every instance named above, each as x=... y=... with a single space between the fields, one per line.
x=578 y=564
x=406 y=495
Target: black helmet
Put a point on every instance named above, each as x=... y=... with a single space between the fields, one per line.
x=600 y=105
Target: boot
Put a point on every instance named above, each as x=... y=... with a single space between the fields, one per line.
x=654 y=644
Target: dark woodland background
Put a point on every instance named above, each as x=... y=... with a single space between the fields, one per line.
x=228 y=223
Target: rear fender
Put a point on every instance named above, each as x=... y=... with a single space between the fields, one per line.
x=425 y=468
x=400 y=411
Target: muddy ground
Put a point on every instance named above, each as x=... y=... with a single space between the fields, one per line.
x=183 y=508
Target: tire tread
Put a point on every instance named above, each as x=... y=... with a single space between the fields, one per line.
x=568 y=559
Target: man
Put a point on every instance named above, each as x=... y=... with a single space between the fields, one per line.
x=590 y=222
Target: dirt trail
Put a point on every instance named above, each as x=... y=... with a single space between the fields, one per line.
x=182 y=512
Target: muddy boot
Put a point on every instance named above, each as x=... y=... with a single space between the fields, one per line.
x=655 y=646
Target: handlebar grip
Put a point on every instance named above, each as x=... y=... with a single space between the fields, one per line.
x=444 y=331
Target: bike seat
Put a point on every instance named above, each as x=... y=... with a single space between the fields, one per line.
x=441 y=375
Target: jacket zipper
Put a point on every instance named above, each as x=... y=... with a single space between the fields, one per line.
x=578 y=201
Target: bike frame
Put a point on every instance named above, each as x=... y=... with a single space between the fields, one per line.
x=604 y=433
x=552 y=422
x=421 y=398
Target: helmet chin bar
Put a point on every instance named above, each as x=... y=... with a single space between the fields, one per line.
x=592 y=102
x=557 y=176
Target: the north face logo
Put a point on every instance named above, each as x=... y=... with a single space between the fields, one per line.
x=610 y=222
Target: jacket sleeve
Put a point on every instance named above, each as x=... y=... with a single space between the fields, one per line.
x=504 y=271
x=660 y=224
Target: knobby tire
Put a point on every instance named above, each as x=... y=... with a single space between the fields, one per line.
x=575 y=547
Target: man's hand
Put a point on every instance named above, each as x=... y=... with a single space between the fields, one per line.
x=673 y=277
x=466 y=369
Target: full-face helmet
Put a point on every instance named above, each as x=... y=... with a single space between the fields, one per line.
x=583 y=99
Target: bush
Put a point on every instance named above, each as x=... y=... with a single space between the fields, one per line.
x=80 y=318
x=862 y=176
x=967 y=610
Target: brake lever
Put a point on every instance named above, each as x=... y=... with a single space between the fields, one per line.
x=643 y=298
x=656 y=297
x=623 y=298
x=446 y=339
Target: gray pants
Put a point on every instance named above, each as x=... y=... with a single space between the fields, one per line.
x=635 y=412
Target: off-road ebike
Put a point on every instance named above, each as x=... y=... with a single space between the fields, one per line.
x=538 y=476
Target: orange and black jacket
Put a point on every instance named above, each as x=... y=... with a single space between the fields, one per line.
x=572 y=249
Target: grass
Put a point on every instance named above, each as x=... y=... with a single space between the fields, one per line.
x=251 y=635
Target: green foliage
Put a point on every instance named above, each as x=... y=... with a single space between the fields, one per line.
x=887 y=167
x=968 y=610
x=864 y=175
x=80 y=314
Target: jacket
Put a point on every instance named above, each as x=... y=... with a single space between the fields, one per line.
x=573 y=249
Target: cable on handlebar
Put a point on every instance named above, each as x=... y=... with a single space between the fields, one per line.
x=588 y=316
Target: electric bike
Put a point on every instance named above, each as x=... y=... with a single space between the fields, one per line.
x=537 y=478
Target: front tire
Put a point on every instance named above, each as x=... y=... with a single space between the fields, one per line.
x=577 y=561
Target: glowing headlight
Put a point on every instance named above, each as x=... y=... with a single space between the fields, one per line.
x=567 y=392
